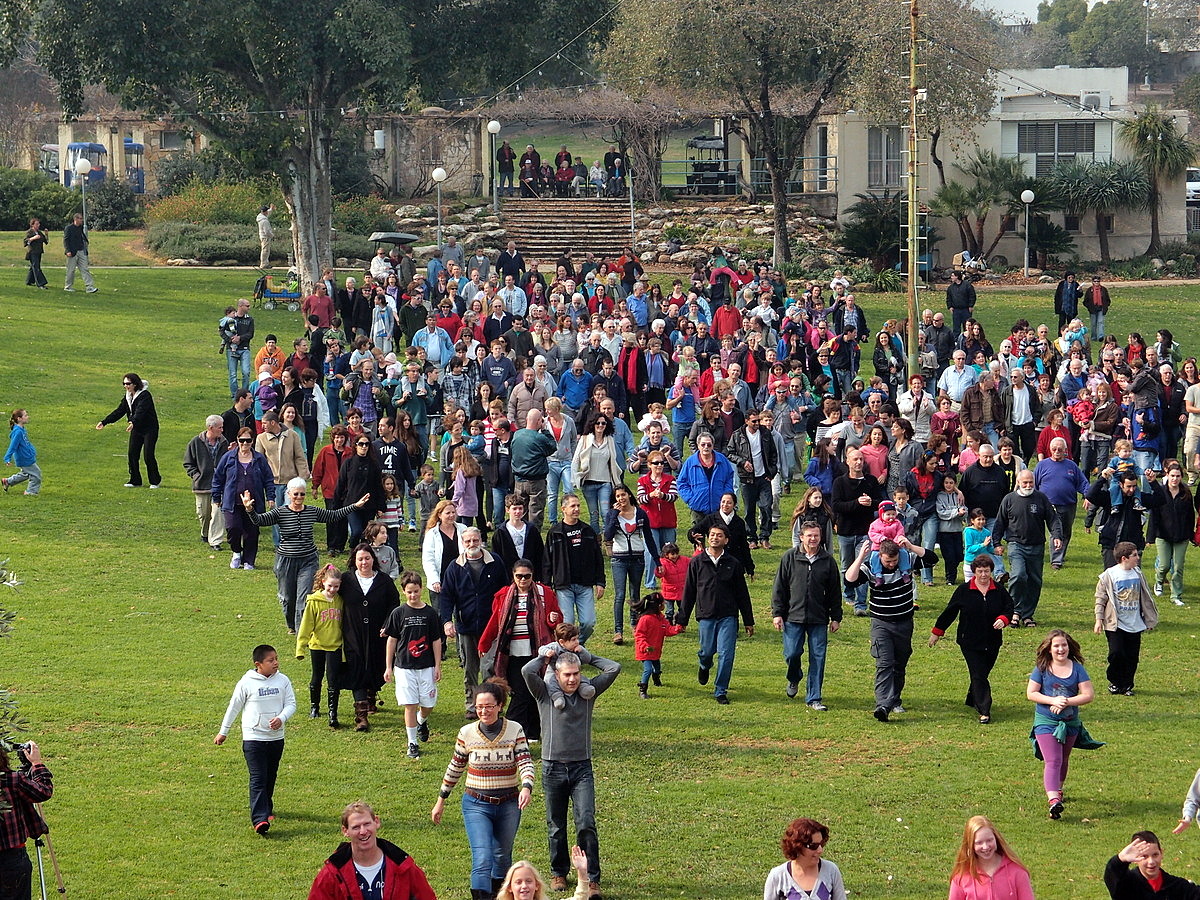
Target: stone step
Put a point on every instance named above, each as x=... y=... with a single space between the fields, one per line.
x=543 y=229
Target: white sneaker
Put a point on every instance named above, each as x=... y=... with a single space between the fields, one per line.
x=897 y=710
x=154 y=487
x=1158 y=589
x=130 y=484
x=236 y=561
x=1178 y=602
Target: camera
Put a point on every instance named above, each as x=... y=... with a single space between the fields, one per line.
x=21 y=750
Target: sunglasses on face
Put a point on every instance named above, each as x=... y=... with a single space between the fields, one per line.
x=245 y=440
x=363 y=444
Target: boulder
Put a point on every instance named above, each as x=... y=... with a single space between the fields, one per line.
x=1158 y=264
x=342 y=262
x=408 y=211
x=453 y=231
x=1046 y=279
x=763 y=230
x=181 y=261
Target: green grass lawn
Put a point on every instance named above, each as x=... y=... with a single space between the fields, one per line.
x=130 y=635
x=106 y=248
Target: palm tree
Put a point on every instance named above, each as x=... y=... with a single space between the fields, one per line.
x=1165 y=153
x=1105 y=188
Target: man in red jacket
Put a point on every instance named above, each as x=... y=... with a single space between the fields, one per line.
x=365 y=866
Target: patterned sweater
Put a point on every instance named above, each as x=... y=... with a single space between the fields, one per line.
x=498 y=767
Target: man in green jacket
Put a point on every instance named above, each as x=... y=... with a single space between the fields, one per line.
x=531 y=449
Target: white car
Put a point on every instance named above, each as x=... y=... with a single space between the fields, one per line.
x=1193 y=184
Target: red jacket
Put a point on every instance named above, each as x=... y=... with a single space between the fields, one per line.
x=649 y=635
x=541 y=627
x=672 y=576
x=326 y=467
x=402 y=878
x=659 y=510
x=726 y=320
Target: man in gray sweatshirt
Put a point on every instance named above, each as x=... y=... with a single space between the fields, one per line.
x=567 y=760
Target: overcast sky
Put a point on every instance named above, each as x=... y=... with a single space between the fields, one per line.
x=1015 y=10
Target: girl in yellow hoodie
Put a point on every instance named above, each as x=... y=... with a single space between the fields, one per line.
x=320 y=633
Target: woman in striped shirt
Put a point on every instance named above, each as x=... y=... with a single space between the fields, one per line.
x=494 y=755
x=296 y=557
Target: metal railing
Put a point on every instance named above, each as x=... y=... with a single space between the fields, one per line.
x=810 y=175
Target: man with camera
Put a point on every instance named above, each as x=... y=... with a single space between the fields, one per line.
x=20 y=819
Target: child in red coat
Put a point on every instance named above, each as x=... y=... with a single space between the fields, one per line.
x=652 y=629
x=672 y=573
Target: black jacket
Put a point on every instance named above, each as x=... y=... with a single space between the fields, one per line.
x=467 y=602
x=235 y=421
x=1124 y=520
x=358 y=477
x=960 y=296
x=738 y=453
x=1127 y=883
x=807 y=593
x=985 y=487
x=510 y=264
x=1175 y=520
x=506 y=550
x=75 y=239
x=588 y=557
x=977 y=613
x=1024 y=520
x=852 y=518
x=142 y=415
x=739 y=543
x=715 y=590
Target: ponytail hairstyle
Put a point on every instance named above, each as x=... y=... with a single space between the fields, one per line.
x=16 y=414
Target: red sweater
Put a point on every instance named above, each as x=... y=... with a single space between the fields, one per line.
x=649 y=635
x=659 y=510
x=672 y=576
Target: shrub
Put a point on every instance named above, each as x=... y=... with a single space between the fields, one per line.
x=1139 y=268
x=112 y=205
x=211 y=165
x=1185 y=265
x=25 y=194
x=681 y=233
x=361 y=215
x=171 y=240
x=887 y=281
x=218 y=204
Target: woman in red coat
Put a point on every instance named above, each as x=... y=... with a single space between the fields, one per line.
x=326 y=468
x=392 y=872
x=524 y=616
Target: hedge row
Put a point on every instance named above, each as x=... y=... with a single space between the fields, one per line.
x=208 y=243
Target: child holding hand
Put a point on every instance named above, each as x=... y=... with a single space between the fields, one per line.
x=651 y=630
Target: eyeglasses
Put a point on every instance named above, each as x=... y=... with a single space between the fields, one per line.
x=487 y=706
x=522 y=576
x=363 y=444
x=299 y=493
x=127 y=383
x=659 y=463
x=813 y=845
x=245 y=440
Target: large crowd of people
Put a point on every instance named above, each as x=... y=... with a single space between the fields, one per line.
x=524 y=439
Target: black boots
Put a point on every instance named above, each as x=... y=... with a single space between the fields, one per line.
x=314 y=702
x=333 y=708
x=642 y=691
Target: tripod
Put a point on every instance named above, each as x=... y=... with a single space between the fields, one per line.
x=38 y=843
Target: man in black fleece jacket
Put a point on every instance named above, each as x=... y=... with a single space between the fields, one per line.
x=1148 y=879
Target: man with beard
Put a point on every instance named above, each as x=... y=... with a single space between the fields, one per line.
x=1023 y=519
x=465 y=604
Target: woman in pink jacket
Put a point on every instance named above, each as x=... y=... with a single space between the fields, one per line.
x=986 y=867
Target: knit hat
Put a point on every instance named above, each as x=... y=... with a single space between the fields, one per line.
x=886 y=506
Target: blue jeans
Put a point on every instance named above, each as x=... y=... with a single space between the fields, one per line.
x=679 y=433
x=661 y=536
x=1145 y=460
x=574 y=783
x=558 y=477
x=849 y=546
x=1025 y=565
x=358 y=521
x=650 y=667
x=598 y=495
x=719 y=636
x=1097 y=320
x=235 y=359
x=578 y=605
x=262 y=759
x=929 y=533
x=333 y=397
x=626 y=571
x=491 y=830
x=498 y=495
x=993 y=435
x=794 y=636
x=294 y=575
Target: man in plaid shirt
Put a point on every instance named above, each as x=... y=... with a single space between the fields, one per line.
x=19 y=821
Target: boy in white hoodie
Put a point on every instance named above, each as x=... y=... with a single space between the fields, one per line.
x=265 y=698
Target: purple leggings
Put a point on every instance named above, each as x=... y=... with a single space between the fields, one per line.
x=1056 y=757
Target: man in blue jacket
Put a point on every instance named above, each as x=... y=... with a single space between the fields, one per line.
x=465 y=604
x=1062 y=482
x=705 y=476
x=575 y=388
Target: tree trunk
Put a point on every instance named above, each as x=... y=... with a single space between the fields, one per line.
x=1155 y=240
x=769 y=135
x=939 y=164
x=310 y=202
x=1102 y=235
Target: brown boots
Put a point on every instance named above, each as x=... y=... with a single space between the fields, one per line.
x=361 y=710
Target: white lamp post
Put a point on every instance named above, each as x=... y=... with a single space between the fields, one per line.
x=439 y=175
x=1027 y=198
x=493 y=128
x=82 y=167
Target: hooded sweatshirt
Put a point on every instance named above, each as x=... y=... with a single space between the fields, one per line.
x=260 y=699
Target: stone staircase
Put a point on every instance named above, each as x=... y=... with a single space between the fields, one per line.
x=543 y=229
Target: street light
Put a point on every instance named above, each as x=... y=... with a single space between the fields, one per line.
x=439 y=175
x=493 y=128
x=1027 y=198
x=83 y=166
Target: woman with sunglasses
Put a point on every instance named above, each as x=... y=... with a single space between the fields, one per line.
x=524 y=615
x=240 y=471
x=360 y=476
x=138 y=407
x=806 y=873
x=296 y=556
x=597 y=468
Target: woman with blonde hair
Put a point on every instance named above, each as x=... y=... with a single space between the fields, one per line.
x=986 y=866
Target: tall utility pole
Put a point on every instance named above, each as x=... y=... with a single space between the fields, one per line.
x=914 y=237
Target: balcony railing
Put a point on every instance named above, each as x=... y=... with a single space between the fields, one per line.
x=811 y=174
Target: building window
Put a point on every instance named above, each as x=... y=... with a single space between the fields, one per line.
x=1109 y=223
x=1008 y=224
x=1071 y=223
x=1052 y=143
x=170 y=140
x=884 y=165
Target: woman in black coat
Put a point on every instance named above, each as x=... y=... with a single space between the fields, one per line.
x=983 y=608
x=360 y=475
x=138 y=407
x=35 y=244
x=364 y=612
